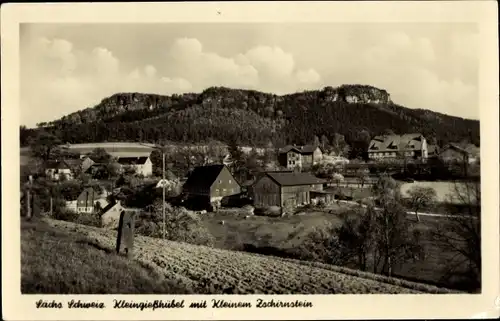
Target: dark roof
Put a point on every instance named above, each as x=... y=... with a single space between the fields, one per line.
x=203 y=176
x=456 y=147
x=65 y=163
x=307 y=149
x=88 y=193
x=287 y=178
x=132 y=160
x=432 y=149
x=392 y=143
x=108 y=207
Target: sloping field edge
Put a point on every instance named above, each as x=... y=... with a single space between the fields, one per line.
x=414 y=286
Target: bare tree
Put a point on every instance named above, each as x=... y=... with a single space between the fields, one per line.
x=460 y=233
x=393 y=241
x=421 y=197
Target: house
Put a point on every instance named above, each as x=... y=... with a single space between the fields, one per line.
x=86 y=201
x=300 y=156
x=211 y=183
x=453 y=153
x=85 y=163
x=110 y=215
x=432 y=151
x=395 y=146
x=67 y=168
x=285 y=189
x=142 y=164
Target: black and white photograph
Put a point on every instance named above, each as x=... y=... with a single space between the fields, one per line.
x=250 y=158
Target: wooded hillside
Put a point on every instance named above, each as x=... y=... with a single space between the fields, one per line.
x=255 y=118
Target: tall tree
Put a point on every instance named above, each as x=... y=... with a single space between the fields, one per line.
x=44 y=145
x=421 y=197
x=460 y=234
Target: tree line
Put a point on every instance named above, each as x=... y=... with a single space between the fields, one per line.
x=255 y=118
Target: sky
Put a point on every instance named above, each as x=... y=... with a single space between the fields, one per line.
x=68 y=67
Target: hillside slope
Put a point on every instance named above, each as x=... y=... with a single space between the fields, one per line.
x=255 y=118
x=209 y=270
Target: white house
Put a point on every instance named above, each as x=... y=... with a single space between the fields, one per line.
x=110 y=215
x=300 y=156
x=142 y=165
x=394 y=146
x=56 y=170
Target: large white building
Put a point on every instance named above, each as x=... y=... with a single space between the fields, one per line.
x=142 y=164
x=395 y=146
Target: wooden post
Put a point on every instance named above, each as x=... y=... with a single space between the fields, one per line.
x=126 y=233
x=28 y=205
x=51 y=206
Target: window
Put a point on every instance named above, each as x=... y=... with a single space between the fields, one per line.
x=229 y=181
x=223 y=189
x=217 y=190
x=220 y=181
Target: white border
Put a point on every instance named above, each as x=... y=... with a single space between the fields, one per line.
x=484 y=13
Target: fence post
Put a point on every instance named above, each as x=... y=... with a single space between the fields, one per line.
x=126 y=233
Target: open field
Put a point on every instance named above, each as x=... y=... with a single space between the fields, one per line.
x=443 y=189
x=208 y=270
x=126 y=148
x=281 y=237
x=54 y=261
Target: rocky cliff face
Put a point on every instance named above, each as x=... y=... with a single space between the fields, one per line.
x=357 y=94
x=263 y=103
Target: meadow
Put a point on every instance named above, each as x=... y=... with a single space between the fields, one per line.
x=282 y=236
x=56 y=261
x=201 y=269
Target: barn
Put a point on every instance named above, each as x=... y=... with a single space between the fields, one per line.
x=285 y=189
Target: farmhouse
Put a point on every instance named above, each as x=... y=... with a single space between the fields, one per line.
x=394 y=146
x=86 y=201
x=300 y=156
x=432 y=151
x=211 y=183
x=285 y=189
x=455 y=153
x=110 y=215
x=85 y=163
x=142 y=165
x=64 y=169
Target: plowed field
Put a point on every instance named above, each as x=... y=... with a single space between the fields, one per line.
x=218 y=271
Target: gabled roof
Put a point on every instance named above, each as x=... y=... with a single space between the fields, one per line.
x=392 y=143
x=141 y=160
x=287 y=178
x=110 y=206
x=455 y=147
x=307 y=149
x=432 y=149
x=203 y=176
x=63 y=164
x=88 y=193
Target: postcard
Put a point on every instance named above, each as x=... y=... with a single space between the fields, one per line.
x=250 y=160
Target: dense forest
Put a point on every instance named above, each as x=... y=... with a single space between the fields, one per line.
x=255 y=118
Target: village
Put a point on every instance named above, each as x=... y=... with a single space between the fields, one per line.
x=296 y=177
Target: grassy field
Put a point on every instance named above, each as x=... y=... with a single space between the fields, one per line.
x=443 y=189
x=54 y=261
x=281 y=236
x=208 y=270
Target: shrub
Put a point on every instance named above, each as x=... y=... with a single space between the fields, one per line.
x=181 y=225
x=268 y=211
